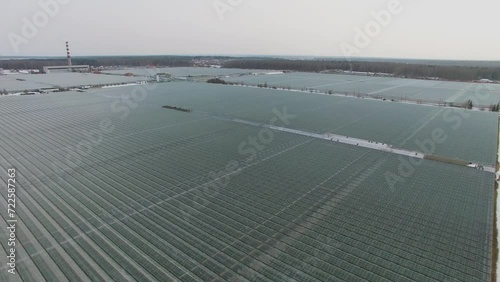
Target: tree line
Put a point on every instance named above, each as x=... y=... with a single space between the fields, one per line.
x=464 y=72
x=131 y=61
x=457 y=73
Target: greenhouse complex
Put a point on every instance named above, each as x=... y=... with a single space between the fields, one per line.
x=191 y=181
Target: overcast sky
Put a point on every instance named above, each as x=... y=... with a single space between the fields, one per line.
x=444 y=29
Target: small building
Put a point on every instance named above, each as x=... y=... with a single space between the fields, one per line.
x=161 y=77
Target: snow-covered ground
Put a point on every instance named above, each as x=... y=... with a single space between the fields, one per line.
x=124 y=85
x=317 y=92
x=344 y=140
x=337 y=138
x=367 y=97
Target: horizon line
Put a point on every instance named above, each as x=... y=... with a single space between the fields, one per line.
x=250 y=56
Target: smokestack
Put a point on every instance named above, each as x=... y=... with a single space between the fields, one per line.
x=69 y=55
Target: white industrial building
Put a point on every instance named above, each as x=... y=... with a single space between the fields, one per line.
x=74 y=68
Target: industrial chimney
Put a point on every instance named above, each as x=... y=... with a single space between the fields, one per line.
x=69 y=55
